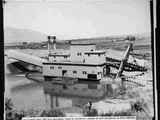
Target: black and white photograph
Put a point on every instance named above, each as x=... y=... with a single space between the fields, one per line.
x=78 y=58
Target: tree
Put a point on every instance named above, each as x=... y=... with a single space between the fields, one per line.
x=8 y=104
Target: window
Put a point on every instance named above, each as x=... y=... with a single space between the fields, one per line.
x=79 y=54
x=84 y=72
x=59 y=67
x=51 y=67
x=99 y=73
x=74 y=72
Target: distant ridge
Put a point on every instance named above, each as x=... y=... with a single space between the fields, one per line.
x=12 y=35
x=138 y=35
x=144 y=37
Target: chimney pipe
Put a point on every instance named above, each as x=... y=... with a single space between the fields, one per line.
x=54 y=42
x=51 y=43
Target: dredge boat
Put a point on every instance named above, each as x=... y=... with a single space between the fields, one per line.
x=81 y=61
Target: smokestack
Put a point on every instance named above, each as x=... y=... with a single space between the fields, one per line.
x=54 y=42
x=51 y=43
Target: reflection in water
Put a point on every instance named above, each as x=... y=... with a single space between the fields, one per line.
x=54 y=101
x=27 y=94
x=77 y=95
x=23 y=87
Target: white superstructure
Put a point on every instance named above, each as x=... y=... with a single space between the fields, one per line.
x=82 y=61
x=78 y=51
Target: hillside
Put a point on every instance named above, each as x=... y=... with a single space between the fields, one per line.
x=12 y=35
x=27 y=35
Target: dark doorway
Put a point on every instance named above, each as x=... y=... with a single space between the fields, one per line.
x=63 y=72
x=92 y=76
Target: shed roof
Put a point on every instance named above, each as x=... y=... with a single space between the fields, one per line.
x=95 y=52
x=82 y=44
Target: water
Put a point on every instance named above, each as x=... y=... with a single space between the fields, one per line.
x=27 y=94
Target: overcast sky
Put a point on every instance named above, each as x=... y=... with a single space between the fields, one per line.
x=79 y=18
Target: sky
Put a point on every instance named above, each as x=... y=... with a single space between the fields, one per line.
x=69 y=19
